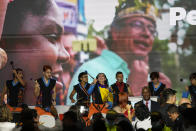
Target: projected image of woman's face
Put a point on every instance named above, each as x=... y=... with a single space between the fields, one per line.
x=40 y=41
x=37 y=41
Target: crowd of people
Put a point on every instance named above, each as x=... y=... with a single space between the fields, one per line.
x=32 y=34
x=98 y=106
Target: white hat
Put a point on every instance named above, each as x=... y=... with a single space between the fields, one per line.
x=47 y=121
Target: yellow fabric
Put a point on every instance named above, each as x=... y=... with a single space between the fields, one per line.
x=111 y=128
x=167 y=128
x=145 y=8
x=106 y=95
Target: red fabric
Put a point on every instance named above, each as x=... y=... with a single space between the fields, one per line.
x=126 y=112
x=120 y=86
x=147 y=104
x=61 y=117
x=14 y=109
x=41 y=111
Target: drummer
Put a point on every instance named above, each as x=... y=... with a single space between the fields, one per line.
x=14 y=89
x=81 y=89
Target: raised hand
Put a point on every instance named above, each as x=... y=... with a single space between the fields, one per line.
x=94 y=81
x=37 y=84
x=128 y=107
x=73 y=101
x=15 y=73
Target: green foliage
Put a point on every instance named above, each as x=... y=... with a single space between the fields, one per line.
x=93 y=32
x=160 y=45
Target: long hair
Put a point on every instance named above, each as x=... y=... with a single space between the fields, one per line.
x=105 y=82
x=123 y=99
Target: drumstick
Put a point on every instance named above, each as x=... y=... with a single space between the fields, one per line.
x=12 y=64
x=89 y=74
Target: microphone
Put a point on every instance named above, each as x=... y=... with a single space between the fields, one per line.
x=33 y=80
x=12 y=64
x=89 y=74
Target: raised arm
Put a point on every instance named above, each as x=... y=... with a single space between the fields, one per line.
x=92 y=86
x=21 y=80
x=36 y=89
